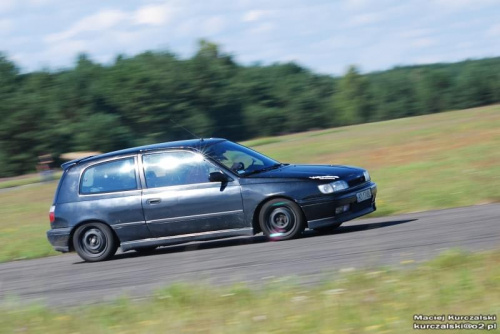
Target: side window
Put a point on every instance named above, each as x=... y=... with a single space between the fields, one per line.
x=111 y=176
x=175 y=168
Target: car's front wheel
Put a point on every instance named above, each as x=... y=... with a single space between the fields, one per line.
x=94 y=242
x=281 y=219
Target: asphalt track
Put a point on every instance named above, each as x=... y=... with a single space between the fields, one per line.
x=398 y=240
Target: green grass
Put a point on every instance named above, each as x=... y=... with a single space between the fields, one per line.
x=369 y=301
x=421 y=163
x=24 y=180
x=262 y=141
x=24 y=219
x=19 y=182
x=430 y=162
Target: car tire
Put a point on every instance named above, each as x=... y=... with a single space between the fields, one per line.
x=327 y=229
x=281 y=219
x=94 y=242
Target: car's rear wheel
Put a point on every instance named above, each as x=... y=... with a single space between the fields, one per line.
x=94 y=242
x=281 y=219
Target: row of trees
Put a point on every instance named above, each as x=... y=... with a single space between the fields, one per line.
x=146 y=98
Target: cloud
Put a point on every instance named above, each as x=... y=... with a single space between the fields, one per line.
x=262 y=28
x=423 y=42
x=40 y=3
x=463 y=4
x=6 y=26
x=64 y=50
x=415 y=33
x=336 y=42
x=155 y=15
x=357 y=4
x=432 y=59
x=365 y=19
x=102 y=20
x=324 y=35
x=7 y=5
x=494 y=30
x=255 y=15
x=213 y=25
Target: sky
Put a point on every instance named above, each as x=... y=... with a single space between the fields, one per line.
x=325 y=36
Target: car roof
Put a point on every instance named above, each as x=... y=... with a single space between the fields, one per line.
x=191 y=143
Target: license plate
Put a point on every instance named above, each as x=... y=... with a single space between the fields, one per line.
x=364 y=195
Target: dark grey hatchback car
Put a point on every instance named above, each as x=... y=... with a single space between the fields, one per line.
x=144 y=197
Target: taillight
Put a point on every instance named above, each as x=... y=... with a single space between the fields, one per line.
x=52 y=215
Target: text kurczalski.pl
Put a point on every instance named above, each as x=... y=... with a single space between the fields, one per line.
x=455 y=317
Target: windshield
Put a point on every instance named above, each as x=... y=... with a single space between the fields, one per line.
x=240 y=159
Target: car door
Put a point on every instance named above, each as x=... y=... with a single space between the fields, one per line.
x=178 y=197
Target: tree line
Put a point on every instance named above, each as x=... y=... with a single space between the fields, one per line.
x=149 y=97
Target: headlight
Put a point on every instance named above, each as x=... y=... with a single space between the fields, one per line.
x=367 y=175
x=329 y=188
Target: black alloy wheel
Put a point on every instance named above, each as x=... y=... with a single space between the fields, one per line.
x=94 y=242
x=281 y=219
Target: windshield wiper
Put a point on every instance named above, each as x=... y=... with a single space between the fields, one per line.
x=265 y=169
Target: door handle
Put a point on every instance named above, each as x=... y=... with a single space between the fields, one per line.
x=153 y=201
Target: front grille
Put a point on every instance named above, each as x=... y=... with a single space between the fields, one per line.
x=356 y=181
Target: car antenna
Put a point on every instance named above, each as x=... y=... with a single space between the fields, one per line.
x=183 y=128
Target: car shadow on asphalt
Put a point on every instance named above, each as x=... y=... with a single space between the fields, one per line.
x=258 y=239
x=365 y=227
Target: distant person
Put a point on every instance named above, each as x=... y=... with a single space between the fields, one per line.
x=43 y=167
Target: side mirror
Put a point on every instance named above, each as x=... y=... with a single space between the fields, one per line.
x=218 y=177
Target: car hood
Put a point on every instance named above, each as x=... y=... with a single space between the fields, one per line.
x=312 y=172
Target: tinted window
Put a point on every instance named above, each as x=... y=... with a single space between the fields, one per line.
x=111 y=176
x=175 y=168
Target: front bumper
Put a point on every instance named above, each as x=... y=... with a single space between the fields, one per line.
x=320 y=212
x=59 y=239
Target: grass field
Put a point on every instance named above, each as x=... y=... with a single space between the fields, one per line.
x=370 y=301
x=24 y=180
x=429 y=162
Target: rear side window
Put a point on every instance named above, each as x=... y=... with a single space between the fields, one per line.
x=117 y=175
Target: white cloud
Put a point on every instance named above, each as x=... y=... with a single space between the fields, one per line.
x=6 y=5
x=125 y=37
x=6 y=26
x=262 y=28
x=329 y=34
x=463 y=4
x=255 y=15
x=423 y=42
x=213 y=25
x=102 y=20
x=494 y=30
x=155 y=15
x=415 y=33
x=357 y=4
x=429 y=59
x=336 y=42
x=40 y=3
x=63 y=51
x=365 y=19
